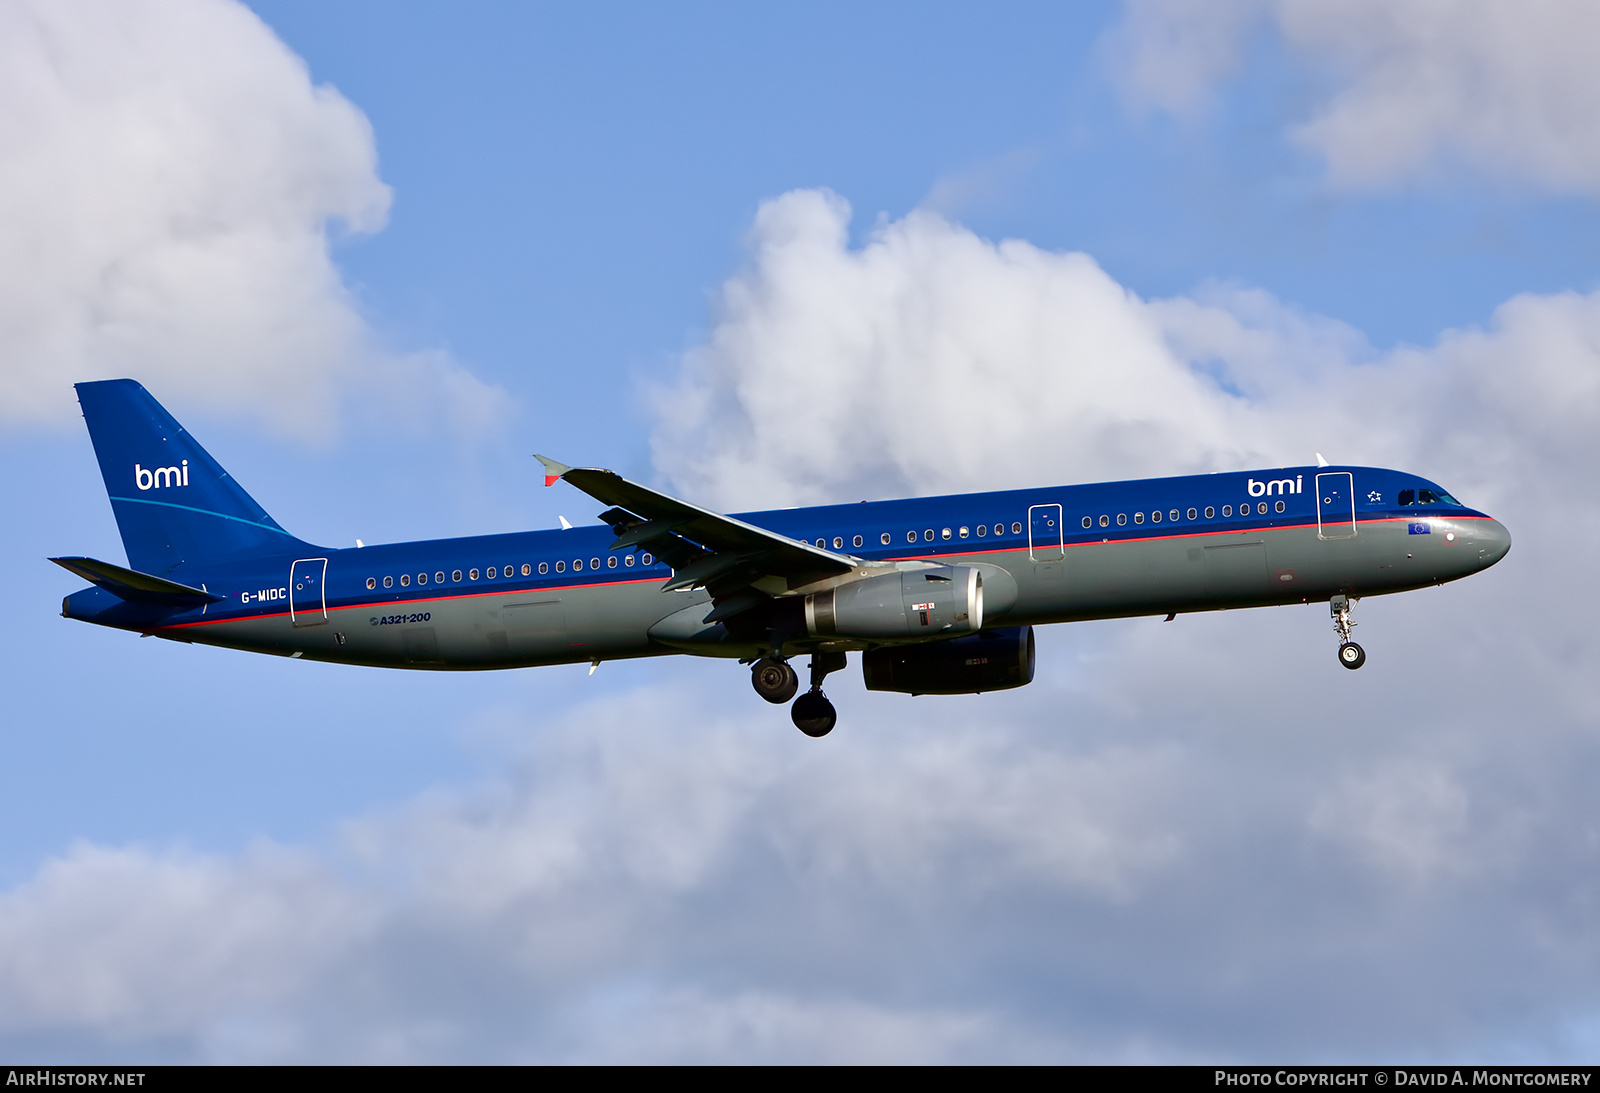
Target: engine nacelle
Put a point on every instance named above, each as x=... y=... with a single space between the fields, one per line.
x=994 y=660
x=910 y=604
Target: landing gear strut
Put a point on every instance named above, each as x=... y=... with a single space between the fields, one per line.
x=813 y=714
x=774 y=680
x=1351 y=655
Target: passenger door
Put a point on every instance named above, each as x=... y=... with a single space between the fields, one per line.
x=1336 y=505
x=1044 y=533
x=308 y=603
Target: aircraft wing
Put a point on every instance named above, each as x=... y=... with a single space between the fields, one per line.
x=740 y=564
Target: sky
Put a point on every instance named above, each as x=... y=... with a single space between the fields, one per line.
x=373 y=256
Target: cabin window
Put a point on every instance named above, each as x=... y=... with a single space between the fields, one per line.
x=372 y=582
x=964 y=532
x=1105 y=521
x=1173 y=515
x=438 y=578
x=856 y=541
x=1193 y=515
x=456 y=576
x=911 y=536
x=1088 y=521
x=1155 y=516
x=628 y=561
x=1122 y=519
x=1016 y=527
x=1278 y=505
x=561 y=567
x=822 y=542
x=1210 y=512
x=884 y=538
x=1262 y=508
x=594 y=563
x=544 y=567
x=838 y=542
x=945 y=534
x=1138 y=517
x=611 y=561
x=927 y=534
x=422 y=578
x=405 y=580
x=646 y=559
x=1408 y=497
x=577 y=565
x=1227 y=510
x=525 y=569
x=388 y=582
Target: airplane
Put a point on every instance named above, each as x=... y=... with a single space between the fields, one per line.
x=939 y=595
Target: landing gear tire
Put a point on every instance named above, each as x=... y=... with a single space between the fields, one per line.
x=774 y=680
x=813 y=714
x=1352 y=656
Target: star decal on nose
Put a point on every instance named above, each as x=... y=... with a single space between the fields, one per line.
x=1374 y=496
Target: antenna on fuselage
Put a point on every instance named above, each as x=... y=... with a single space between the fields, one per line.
x=1320 y=461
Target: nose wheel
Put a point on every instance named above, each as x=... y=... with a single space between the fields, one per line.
x=1351 y=655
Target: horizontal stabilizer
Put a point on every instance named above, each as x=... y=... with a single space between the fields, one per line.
x=136 y=587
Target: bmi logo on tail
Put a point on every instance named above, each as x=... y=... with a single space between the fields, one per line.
x=161 y=476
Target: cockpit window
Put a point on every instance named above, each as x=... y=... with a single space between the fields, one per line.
x=1435 y=497
x=1408 y=497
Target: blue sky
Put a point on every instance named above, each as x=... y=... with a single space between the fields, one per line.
x=374 y=257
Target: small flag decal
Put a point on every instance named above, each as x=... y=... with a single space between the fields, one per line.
x=1419 y=528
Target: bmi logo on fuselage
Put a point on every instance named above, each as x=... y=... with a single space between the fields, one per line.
x=161 y=476
x=1277 y=485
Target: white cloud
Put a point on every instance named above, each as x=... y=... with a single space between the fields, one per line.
x=141 y=944
x=1169 y=56
x=1406 y=87
x=927 y=359
x=169 y=177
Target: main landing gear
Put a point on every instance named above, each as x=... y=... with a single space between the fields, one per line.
x=776 y=682
x=1351 y=655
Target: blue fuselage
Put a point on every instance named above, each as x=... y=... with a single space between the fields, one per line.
x=1204 y=542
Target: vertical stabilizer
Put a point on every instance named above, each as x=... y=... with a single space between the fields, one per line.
x=174 y=504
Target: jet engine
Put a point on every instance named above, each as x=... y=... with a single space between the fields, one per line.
x=910 y=604
x=993 y=660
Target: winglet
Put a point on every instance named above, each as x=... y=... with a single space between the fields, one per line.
x=1320 y=462
x=552 y=470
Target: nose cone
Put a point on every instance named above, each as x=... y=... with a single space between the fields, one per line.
x=1492 y=540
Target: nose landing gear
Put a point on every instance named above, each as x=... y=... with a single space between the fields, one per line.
x=813 y=714
x=1351 y=655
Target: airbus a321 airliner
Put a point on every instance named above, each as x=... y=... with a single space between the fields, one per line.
x=939 y=595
